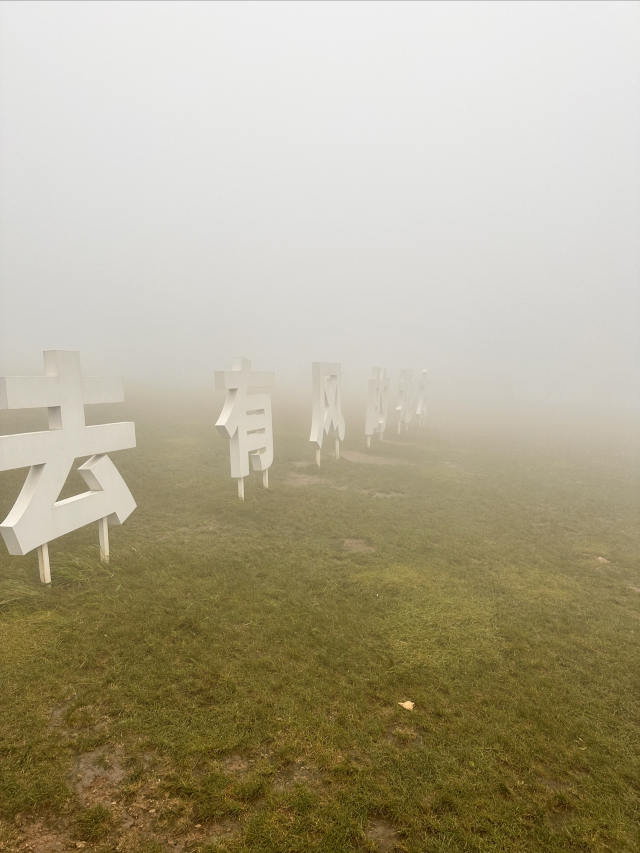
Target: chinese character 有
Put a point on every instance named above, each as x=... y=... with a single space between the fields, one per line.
x=246 y=420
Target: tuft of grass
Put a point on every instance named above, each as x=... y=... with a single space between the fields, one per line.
x=92 y=824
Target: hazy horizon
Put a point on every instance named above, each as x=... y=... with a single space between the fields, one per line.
x=443 y=185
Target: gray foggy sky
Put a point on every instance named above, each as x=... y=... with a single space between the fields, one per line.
x=453 y=185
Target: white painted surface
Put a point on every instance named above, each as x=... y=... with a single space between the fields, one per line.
x=38 y=516
x=405 y=404
x=421 y=397
x=43 y=563
x=246 y=419
x=377 y=403
x=326 y=414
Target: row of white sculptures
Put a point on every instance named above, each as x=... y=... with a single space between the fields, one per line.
x=37 y=516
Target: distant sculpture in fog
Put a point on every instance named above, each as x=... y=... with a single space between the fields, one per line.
x=421 y=397
x=38 y=516
x=405 y=404
x=246 y=420
x=327 y=405
x=377 y=404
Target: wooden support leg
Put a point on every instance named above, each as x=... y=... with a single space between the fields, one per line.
x=43 y=563
x=265 y=478
x=399 y=426
x=337 y=448
x=103 y=531
x=318 y=457
x=381 y=436
x=241 y=488
x=368 y=441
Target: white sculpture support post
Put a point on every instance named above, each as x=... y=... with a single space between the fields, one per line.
x=421 y=402
x=246 y=420
x=405 y=399
x=326 y=413
x=43 y=563
x=37 y=516
x=103 y=534
x=377 y=404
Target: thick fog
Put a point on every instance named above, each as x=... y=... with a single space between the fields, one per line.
x=442 y=185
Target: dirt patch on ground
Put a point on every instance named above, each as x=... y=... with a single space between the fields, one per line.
x=381 y=833
x=356 y=456
x=96 y=775
x=298 y=773
x=198 y=530
x=634 y=588
x=222 y=830
x=43 y=836
x=141 y=811
x=404 y=736
x=296 y=479
x=237 y=766
x=357 y=545
x=139 y=826
x=603 y=560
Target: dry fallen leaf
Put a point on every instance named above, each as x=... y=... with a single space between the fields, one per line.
x=408 y=705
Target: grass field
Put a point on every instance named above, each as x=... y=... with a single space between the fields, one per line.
x=232 y=680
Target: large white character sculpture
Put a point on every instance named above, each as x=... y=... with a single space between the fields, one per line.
x=37 y=516
x=246 y=420
x=405 y=402
x=421 y=401
x=327 y=405
x=377 y=404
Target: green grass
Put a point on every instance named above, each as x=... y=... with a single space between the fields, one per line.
x=236 y=667
x=93 y=823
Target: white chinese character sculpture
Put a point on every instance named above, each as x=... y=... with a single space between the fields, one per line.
x=37 y=516
x=246 y=420
x=405 y=399
x=327 y=405
x=377 y=404
x=421 y=401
